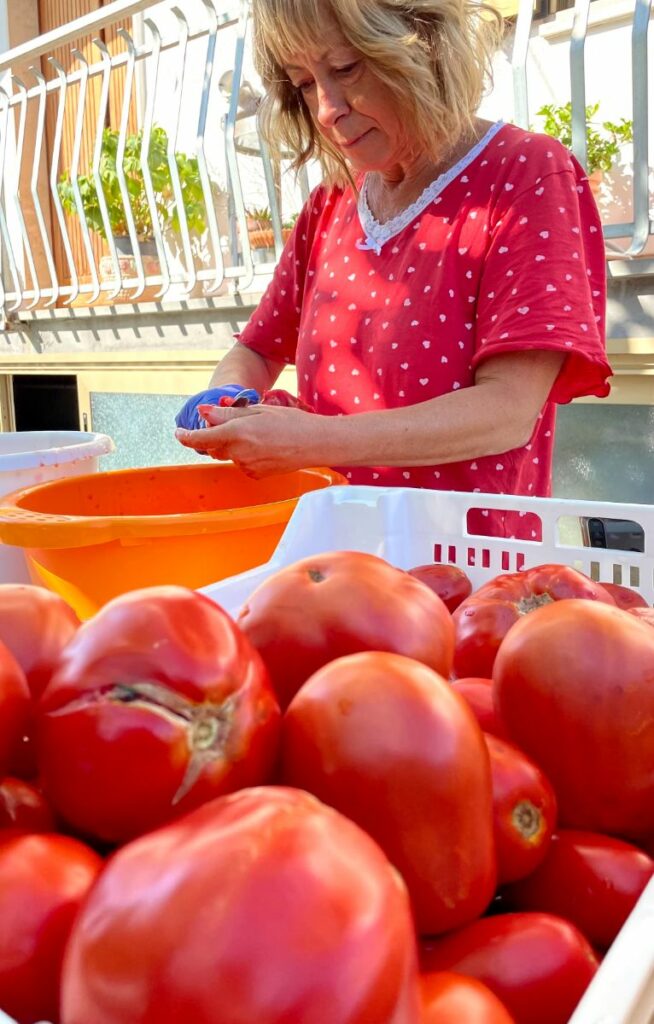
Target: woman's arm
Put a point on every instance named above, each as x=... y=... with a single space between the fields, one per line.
x=243 y=366
x=496 y=414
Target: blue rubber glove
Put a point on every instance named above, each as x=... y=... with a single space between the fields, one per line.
x=189 y=417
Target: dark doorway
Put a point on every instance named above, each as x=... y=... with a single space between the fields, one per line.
x=46 y=402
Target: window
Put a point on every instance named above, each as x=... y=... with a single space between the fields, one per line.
x=545 y=8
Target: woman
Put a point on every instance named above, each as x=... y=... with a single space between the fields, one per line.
x=441 y=291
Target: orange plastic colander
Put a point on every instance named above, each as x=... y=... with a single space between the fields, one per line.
x=92 y=537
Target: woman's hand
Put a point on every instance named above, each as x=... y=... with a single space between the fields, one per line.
x=260 y=440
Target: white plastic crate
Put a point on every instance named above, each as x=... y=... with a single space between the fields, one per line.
x=622 y=991
x=411 y=527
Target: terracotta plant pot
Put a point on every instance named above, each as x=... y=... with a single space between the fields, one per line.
x=263 y=238
x=595 y=179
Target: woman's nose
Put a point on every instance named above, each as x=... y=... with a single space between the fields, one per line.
x=332 y=104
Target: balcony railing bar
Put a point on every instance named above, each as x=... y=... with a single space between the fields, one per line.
x=212 y=220
x=103 y=104
x=233 y=171
x=172 y=140
x=4 y=230
x=641 y=227
x=86 y=25
x=18 y=209
x=148 y=122
x=203 y=274
x=578 y=80
x=519 y=58
x=53 y=181
x=34 y=182
x=75 y=170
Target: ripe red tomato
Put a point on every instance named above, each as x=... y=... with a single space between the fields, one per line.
x=478 y=694
x=23 y=807
x=36 y=625
x=592 y=880
x=157 y=704
x=524 y=808
x=260 y=907
x=386 y=741
x=644 y=614
x=625 y=597
x=573 y=684
x=454 y=999
x=484 y=619
x=448 y=581
x=15 y=709
x=538 y=965
x=43 y=881
x=330 y=605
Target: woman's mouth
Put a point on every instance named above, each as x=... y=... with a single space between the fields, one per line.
x=355 y=141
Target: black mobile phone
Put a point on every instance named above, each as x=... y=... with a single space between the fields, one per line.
x=618 y=534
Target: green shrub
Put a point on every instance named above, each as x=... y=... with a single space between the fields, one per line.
x=166 y=205
x=603 y=139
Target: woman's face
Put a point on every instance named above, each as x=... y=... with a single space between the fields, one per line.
x=349 y=105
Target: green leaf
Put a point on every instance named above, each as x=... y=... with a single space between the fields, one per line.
x=165 y=200
x=602 y=140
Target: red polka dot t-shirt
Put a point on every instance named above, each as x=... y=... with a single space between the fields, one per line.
x=502 y=253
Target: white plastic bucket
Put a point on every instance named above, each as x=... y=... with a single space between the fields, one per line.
x=34 y=457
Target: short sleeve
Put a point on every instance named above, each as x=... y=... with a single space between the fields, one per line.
x=272 y=330
x=544 y=280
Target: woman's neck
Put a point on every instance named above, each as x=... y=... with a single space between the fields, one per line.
x=390 y=192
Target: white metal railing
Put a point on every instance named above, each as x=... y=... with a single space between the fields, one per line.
x=29 y=282
x=44 y=263
x=639 y=229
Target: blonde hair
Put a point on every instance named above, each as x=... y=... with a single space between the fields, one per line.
x=434 y=54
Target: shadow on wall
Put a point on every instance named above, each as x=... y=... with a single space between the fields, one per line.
x=615 y=201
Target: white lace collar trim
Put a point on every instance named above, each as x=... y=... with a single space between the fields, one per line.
x=378 y=234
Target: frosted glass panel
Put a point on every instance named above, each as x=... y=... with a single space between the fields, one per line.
x=605 y=453
x=142 y=428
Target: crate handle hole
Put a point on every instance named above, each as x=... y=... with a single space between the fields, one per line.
x=509 y=523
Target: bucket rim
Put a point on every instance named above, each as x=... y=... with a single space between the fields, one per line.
x=83 y=445
x=25 y=528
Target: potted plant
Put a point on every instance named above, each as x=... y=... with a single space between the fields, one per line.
x=603 y=138
x=166 y=204
x=260 y=232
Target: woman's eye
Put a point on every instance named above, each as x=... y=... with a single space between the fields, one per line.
x=347 y=68
x=304 y=86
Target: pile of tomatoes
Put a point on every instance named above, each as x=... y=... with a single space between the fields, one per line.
x=377 y=797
